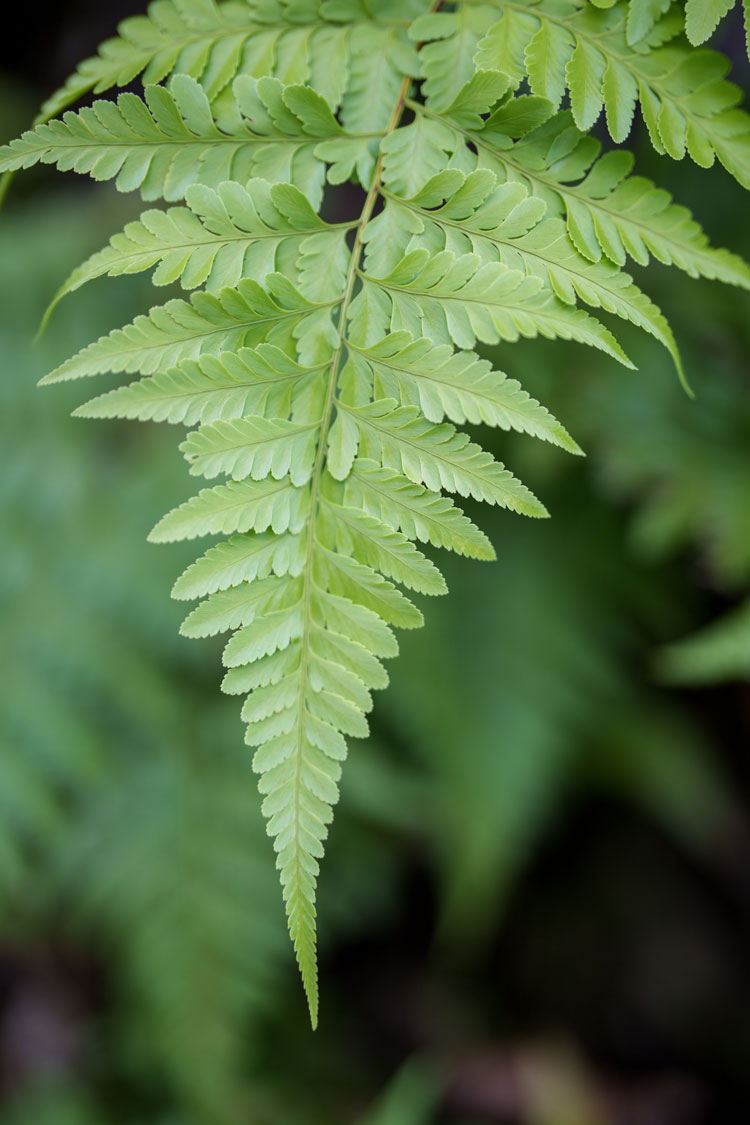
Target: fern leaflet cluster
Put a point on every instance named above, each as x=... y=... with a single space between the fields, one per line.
x=323 y=367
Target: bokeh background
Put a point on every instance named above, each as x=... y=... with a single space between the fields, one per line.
x=536 y=902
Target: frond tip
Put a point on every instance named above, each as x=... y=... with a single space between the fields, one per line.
x=323 y=368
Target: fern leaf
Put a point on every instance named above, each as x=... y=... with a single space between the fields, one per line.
x=501 y=222
x=264 y=633
x=260 y=380
x=413 y=509
x=503 y=47
x=213 y=42
x=264 y=613
x=172 y=140
x=687 y=105
x=642 y=15
x=585 y=77
x=437 y=456
x=447 y=61
x=454 y=385
x=154 y=46
x=459 y=300
x=268 y=671
x=380 y=59
x=608 y=211
x=240 y=559
x=220 y=238
x=252 y=447
x=322 y=366
x=382 y=547
x=702 y=17
x=183 y=330
x=416 y=152
x=364 y=586
x=546 y=58
x=238 y=506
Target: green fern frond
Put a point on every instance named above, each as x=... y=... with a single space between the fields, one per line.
x=173 y=140
x=608 y=211
x=325 y=366
x=309 y=43
x=454 y=385
x=185 y=36
x=457 y=299
x=251 y=381
x=180 y=330
x=564 y=45
x=642 y=16
x=439 y=457
x=450 y=42
x=415 y=510
x=221 y=237
x=246 y=505
x=502 y=222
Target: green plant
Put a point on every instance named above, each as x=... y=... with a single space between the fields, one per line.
x=324 y=363
x=162 y=864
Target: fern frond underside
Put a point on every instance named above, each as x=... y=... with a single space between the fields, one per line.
x=325 y=367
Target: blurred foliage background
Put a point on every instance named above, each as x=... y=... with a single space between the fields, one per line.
x=536 y=905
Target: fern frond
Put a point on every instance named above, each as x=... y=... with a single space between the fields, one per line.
x=454 y=385
x=502 y=222
x=567 y=45
x=182 y=330
x=172 y=140
x=243 y=558
x=399 y=438
x=257 y=380
x=309 y=563
x=642 y=16
x=246 y=505
x=186 y=36
x=451 y=40
x=381 y=58
x=457 y=299
x=380 y=546
x=221 y=237
x=213 y=42
x=252 y=447
x=415 y=510
x=608 y=211
x=324 y=366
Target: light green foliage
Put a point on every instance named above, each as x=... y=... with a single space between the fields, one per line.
x=720 y=651
x=325 y=364
x=298 y=42
x=501 y=222
x=173 y=139
x=592 y=52
x=702 y=16
x=221 y=237
x=609 y=213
